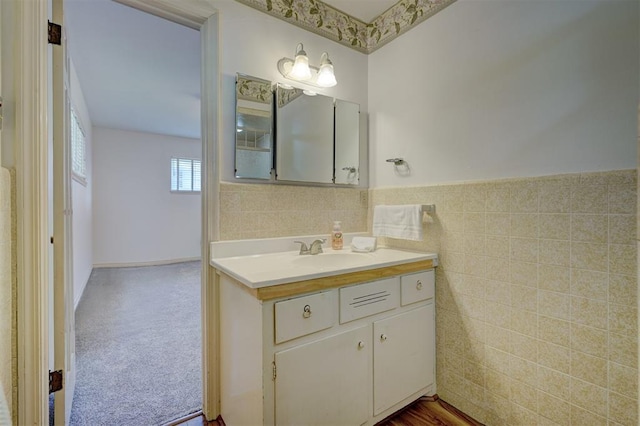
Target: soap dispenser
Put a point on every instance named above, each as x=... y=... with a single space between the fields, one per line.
x=336 y=236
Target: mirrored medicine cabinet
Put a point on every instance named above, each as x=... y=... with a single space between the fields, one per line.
x=290 y=135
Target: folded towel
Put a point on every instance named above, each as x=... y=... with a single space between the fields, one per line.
x=404 y=222
x=363 y=244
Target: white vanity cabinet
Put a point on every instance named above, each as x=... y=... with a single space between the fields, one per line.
x=347 y=355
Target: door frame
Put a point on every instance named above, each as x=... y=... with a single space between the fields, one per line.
x=31 y=74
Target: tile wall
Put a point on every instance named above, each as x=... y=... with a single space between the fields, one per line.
x=7 y=291
x=536 y=296
x=264 y=210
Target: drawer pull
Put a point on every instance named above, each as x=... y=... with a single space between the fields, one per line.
x=383 y=337
x=360 y=344
x=306 y=312
x=419 y=285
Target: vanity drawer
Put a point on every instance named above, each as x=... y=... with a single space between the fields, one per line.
x=362 y=300
x=303 y=315
x=417 y=287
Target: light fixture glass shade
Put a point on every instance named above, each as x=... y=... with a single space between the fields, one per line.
x=326 y=77
x=300 y=70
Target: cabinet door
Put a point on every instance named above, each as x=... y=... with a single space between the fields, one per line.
x=325 y=382
x=403 y=356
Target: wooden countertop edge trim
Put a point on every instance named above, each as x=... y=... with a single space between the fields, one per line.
x=324 y=283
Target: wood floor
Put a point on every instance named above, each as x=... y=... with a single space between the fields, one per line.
x=424 y=412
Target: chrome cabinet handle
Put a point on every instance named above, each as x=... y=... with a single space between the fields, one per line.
x=306 y=313
x=419 y=285
x=383 y=337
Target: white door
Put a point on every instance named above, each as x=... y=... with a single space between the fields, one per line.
x=63 y=316
x=325 y=382
x=403 y=356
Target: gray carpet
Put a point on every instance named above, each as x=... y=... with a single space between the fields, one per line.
x=138 y=346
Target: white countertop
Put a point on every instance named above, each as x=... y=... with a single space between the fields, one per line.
x=263 y=263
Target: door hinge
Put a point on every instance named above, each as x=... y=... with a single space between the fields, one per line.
x=275 y=372
x=55 y=33
x=51 y=239
x=55 y=381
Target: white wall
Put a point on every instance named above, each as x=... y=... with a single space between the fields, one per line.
x=502 y=88
x=252 y=42
x=136 y=219
x=81 y=198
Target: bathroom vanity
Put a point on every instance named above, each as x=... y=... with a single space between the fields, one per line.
x=337 y=338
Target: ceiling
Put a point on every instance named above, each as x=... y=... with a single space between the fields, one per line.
x=142 y=73
x=137 y=71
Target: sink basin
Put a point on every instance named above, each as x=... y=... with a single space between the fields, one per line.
x=333 y=260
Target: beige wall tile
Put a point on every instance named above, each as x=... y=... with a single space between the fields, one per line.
x=524 y=395
x=590 y=340
x=592 y=228
x=555 y=409
x=555 y=198
x=555 y=383
x=536 y=291
x=497 y=246
x=524 y=197
x=554 y=356
x=498 y=268
x=623 y=259
x=554 y=330
x=554 y=278
x=623 y=380
x=589 y=368
x=590 y=312
x=589 y=199
x=498 y=224
x=555 y=305
x=589 y=256
x=590 y=284
x=523 y=273
x=524 y=298
x=622 y=199
x=623 y=349
x=622 y=229
x=584 y=417
x=622 y=409
x=589 y=397
x=554 y=252
x=623 y=319
x=555 y=226
x=524 y=347
x=498 y=291
x=525 y=225
x=524 y=322
x=498 y=198
x=623 y=289
x=524 y=249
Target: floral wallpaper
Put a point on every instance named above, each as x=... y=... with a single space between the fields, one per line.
x=253 y=89
x=336 y=25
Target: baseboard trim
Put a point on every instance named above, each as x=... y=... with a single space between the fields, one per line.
x=151 y=263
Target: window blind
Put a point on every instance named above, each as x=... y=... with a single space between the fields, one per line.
x=186 y=175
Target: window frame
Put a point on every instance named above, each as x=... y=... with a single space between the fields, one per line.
x=178 y=162
x=78 y=176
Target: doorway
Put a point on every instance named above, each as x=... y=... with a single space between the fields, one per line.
x=143 y=237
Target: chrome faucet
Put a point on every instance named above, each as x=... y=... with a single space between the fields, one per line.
x=315 y=248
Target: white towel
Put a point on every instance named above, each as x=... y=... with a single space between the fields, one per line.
x=404 y=222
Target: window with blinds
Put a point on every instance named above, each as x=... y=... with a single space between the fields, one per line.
x=78 y=150
x=185 y=175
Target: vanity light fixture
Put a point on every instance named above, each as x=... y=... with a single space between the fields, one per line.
x=298 y=69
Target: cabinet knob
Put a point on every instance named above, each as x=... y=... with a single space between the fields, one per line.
x=306 y=313
x=383 y=337
x=419 y=285
x=360 y=344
